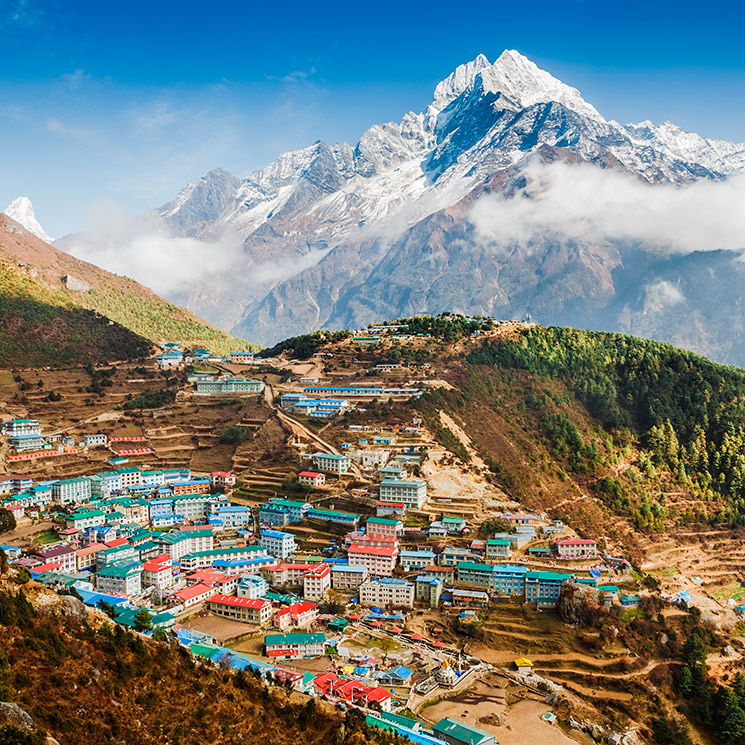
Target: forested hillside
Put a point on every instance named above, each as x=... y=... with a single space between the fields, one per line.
x=686 y=411
x=131 y=690
x=42 y=327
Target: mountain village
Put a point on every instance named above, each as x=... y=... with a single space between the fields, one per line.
x=358 y=583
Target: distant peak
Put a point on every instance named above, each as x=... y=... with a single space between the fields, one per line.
x=22 y=211
x=517 y=78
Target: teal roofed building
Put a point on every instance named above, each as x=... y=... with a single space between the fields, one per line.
x=458 y=733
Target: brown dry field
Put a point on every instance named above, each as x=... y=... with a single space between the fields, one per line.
x=222 y=629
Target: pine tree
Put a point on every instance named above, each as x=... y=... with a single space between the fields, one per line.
x=695 y=650
x=685 y=681
x=143 y=620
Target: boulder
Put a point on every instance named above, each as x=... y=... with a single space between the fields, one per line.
x=75 y=284
x=14 y=715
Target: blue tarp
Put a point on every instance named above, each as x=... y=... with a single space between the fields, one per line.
x=94 y=598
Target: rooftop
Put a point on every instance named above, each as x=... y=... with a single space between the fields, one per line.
x=255 y=603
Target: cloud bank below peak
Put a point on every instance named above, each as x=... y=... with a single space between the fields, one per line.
x=587 y=203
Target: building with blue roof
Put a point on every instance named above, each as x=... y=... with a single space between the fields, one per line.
x=278 y=543
x=428 y=589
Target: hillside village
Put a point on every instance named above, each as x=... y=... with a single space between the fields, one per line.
x=356 y=559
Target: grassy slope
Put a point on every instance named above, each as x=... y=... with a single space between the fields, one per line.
x=122 y=299
x=40 y=326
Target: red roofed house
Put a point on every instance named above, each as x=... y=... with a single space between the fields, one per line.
x=383 y=509
x=303 y=613
x=17 y=510
x=287 y=574
x=116 y=542
x=192 y=596
x=224 y=583
x=379 y=560
x=85 y=558
x=49 y=566
x=317 y=582
x=352 y=691
x=249 y=610
x=311 y=478
x=282 y=618
x=158 y=572
x=576 y=548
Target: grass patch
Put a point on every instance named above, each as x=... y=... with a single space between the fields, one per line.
x=46 y=537
x=731 y=592
x=629 y=615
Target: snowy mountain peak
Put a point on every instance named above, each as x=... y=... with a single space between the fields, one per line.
x=520 y=79
x=517 y=78
x=22 y=211
x=460 y=80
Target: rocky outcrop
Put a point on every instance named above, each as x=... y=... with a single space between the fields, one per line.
x=65 y=606
x=15 y=716
x=75 y=284
x=577 y=603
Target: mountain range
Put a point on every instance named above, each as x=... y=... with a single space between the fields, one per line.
x=510 y=195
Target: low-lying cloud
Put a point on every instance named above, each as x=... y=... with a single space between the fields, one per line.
x=662 y=295
x=589 y=203
x=142 y=249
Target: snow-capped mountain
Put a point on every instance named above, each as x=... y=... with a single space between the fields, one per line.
x=22 y=211
x=335 y=235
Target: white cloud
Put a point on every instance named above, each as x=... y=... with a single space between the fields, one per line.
x=589 y=203
x=142 y=249
x=661 y=295
x=77 y=79
x=72 y=130
x=24 y=13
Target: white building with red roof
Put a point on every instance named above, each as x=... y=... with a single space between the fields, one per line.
x=222 y=480
x=311 y=478
x=379 y=560
x=256 y=611
x=317 y=582
x=193 y=596
x=576 y=548
x=158 y=572
x=286 y=574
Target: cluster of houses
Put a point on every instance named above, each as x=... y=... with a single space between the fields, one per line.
x=173 y=355
x=25 y=437
x=359 y=685
x=177 y=540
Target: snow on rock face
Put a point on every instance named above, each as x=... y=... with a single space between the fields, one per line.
x=22 y=211
x=483 y=117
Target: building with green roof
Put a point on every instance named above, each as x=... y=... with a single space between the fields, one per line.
x=295 y=646
x=85 y=519
x=458 y=733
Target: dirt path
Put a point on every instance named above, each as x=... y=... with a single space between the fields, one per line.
x=300 y=429
x=28 y=530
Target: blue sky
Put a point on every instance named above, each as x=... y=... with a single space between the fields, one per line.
x=127 y=101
